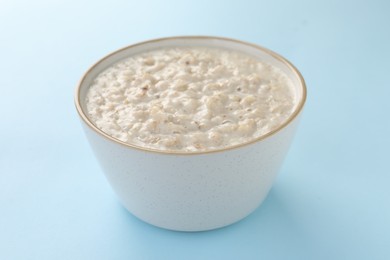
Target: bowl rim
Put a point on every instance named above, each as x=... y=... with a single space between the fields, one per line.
x=275 y=55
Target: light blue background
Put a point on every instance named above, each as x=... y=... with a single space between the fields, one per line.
x=331 y=199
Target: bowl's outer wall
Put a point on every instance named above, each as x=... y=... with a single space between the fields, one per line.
x=192 y=192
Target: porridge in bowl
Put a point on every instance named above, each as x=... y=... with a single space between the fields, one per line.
x=190 y=99
x=191 y=131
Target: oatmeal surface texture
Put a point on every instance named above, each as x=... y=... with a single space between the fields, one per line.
x=189 y=99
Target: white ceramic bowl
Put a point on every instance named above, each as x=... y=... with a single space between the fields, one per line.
x=192 y=191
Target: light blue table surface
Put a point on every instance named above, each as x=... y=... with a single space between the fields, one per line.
x=331 y=199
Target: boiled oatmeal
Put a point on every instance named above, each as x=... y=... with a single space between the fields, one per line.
x=190 y=99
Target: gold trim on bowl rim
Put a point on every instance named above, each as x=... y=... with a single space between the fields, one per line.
x=298 y=108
